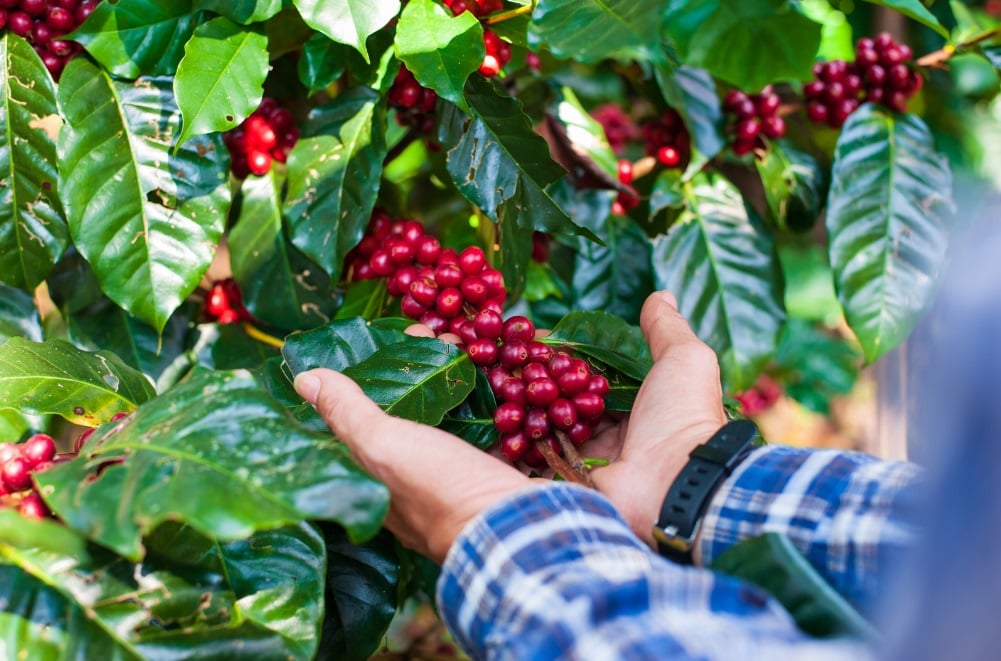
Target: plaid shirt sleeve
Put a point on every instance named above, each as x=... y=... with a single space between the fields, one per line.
x=555 y=572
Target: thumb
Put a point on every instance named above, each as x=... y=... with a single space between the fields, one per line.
x=663 y=326
x=347 y=410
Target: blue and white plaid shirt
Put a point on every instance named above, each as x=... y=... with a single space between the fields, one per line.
x=555 y=572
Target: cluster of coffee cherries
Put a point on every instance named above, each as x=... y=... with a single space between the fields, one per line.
x=626 y=199
x=880 y=74
x=541 y=392
x=18 y=462
x=667 y=139
x=414 y=103
x=619 y=128
x=224 y=303
x=43 y=23
x=498 y=51
x=268 y=135
x=760 y=397
x=753 y=117
x=438 y=287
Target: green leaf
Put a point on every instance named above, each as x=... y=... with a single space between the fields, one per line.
x=616 y=276
x=814 y=366
x=593 y=30
x=774 y=564
x=836 y=32
x=604 y=337
x=361 y=594
x=228 y=347
x=348 y=22
x=244 y=12
x=692 y=92
x=56 y=377
x=18 y=315
x=440 y=49
x=667 y=192
x=333 y=177
x=795 y=186
x=279 y=285
x=585 y=134
x=147 y=217
x=218 y=453
x=914 y=9
x=765 y=41
x=104 y=325
x=721 y=265
x=134 y=37
x=419 y=379
x=220 y=79
x=262 y=595
x=341 y=343
x=888 y=211
x=33 y=232
x=473 y=420
x=366 y=299
x=321 y=63
x=13 y=425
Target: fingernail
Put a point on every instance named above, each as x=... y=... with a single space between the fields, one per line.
x=670 y=299
x=308 y=386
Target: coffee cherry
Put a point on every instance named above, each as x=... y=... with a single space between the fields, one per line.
x=669 y=156
x=518 y=328
x=534 y=371
x=598 y=385
x=536 y=424
x=16 y=474
x=509 y=417
x=496 y=376
x=33 y=507
x=437 y=323
x=488 y=324
x=449 y=302
x=579 y=433
x=514 y=390
x=427 y=250
x=39 y=449
x=576 y=379
x=514 y=354
x=20 y=23
x=34 y=7
x=541 y=392
x=258 y=162
x=589 y=405
x=514 y=446
x=539 y=352
x=424 y=290
x=60 y=20
x=474 y=290
x=482 y=352
x=562 y=414
x=560 y=363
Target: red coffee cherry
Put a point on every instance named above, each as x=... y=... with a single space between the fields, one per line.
x=562 y=414
x=541 y=392
x=482 y=352
x=39 y=449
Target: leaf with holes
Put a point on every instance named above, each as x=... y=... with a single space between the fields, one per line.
x=218 y=453
x=135 y=37
x=279 y=285
x=333 y=177
x=440 y=49
x=419 y=379
x=145 y=215
x=349 y=22
x=888 y=214
x=220 y=79
x=33 y=232
x=721 y=265
x=56 y=377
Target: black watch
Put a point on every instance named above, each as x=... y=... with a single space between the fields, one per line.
x=686 y=501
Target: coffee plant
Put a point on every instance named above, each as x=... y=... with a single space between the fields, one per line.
x=202 y=198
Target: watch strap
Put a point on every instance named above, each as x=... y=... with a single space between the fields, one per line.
x=686 y=501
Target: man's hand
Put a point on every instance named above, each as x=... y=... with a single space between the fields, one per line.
x=438 y=482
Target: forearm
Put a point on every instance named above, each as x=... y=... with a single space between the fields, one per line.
x=556 y=572
x=849 y=513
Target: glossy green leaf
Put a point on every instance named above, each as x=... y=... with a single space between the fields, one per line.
x=262 y=595
x=33 y=232
x=795 y=186
x=439 y=48
x=888 y=212
x=145 y=215
x=321 y=63
x=13 y=425
x=56 y=377
x=772 y=562
x=692 y=92
x=361 y=594
x=613 y=277
x=72 y=284
x=218 y=453
x=366 y=299
x=104 y=325
x=341 y=343
x=333 y=177
x=594 y=30
x=916 y=10
x=606 y=338
x=348 y=22
x=766 y=40
x=220 y=79
x=138 y=37
x=473 y=420
x=419 y=378
x=721 y=265
x=18 y=315
x=667 y=192
x=228 y=347
x=585 y=134
x=244 y=12
x=279 y=285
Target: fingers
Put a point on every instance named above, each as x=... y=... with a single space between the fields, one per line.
x=344 y=407
x=663 y=326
